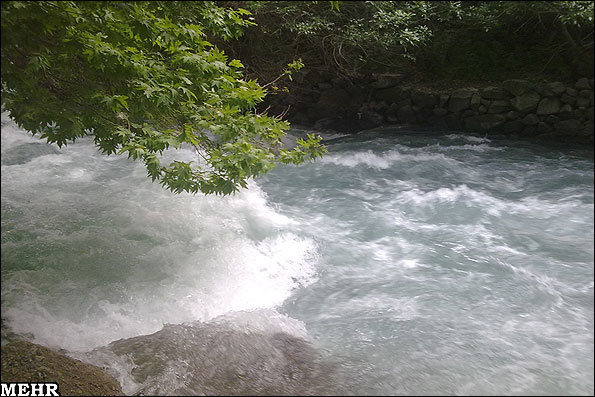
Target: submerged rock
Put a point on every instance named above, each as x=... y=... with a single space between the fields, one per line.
x=26 y=152
x=220 y=358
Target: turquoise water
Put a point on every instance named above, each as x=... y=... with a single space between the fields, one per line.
x=403 y=262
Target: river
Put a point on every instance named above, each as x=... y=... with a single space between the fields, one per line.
x=402 y=262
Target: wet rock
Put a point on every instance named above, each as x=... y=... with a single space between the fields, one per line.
x=484 y=122
x=460 y=100
x=557 y=87
x=499 y=106
x=26 y=362
x=388 y=80
x=439 y=112
x=512 y=126
x=525 y=102
x=393 y=94
x=494 y=93
x=565 y=98
x=583 y=102
x=26 y=152
x=544 y=127
x=550 y=105
x=475 y=101
x=443 y=100
x=516 y=87
x=530 y=119
x=467 y=113
x=407 y=114
x=423 y=99
x=582 y=84
x=570 y=125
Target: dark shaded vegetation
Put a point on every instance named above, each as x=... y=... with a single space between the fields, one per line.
x=470 y=40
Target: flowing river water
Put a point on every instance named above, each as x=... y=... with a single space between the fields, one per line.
x=403 y=262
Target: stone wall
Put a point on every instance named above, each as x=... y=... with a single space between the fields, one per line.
x=560 y=111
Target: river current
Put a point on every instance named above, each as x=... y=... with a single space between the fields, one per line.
x=402 y=262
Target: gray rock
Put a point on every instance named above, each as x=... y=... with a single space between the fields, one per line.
x=499 y=106
x=484 y=122
x=565 y=98
x=475 y=101
x=467 y=113
x=388 y=80
x=571 y=91
x=482 y=109
x=389 y=94
x=544 y=127
x=378 y=106
x=357 y=91
x=566 y=108
x=544 y=90
x=525 y=102
x=453 y=121
x=512 y=115
x=589 y=115
x=566 y=112
x=549 y=105
x=460 y=100
x=463 y=93
x=512 y=126
x=324 y=85
x=582 y=84
x=440 y=112
x=583 y=102
x=392 y=109
x=407 y=114
x=568 y=125
x=557 y=88
x=332 y=102
x=339 y=82
x=494 y=93
x=404 y=102
x=443 y=100
x=393 y=94
x=424 y=115
x=423 y=99
x=530 y=119
x=529 y=130
x=457 y=104
x=516 y=87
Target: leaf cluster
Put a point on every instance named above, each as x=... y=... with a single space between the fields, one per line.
x=140 y=78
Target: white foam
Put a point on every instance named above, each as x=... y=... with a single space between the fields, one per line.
x=130 y=256
x=470 y=138
x=380 y=161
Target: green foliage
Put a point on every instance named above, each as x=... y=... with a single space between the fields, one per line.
x=500 y=38
x=142 y=77
x=347 y=33
x=482 y=39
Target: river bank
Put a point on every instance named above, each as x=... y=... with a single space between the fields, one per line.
x=537 y=110
x=23 y=361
